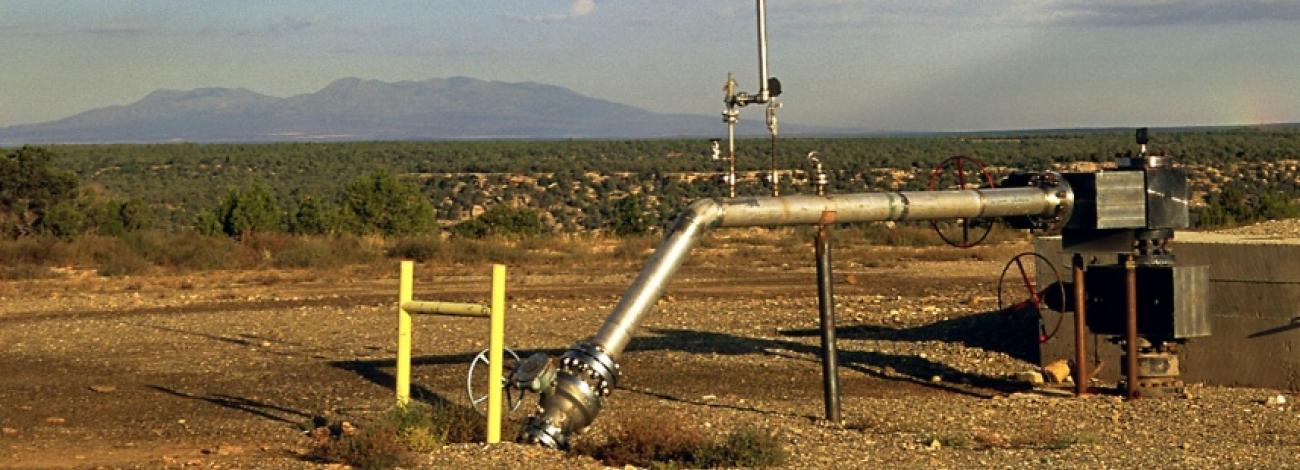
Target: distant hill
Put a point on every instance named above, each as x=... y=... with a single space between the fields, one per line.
x=352 y=109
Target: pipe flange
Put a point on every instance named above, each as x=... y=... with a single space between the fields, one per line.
x=591 y=362
x=541 y=431
x=1061 y=191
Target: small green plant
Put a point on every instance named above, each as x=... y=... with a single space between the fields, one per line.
x=391 y=439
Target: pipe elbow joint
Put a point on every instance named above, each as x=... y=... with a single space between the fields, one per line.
x=704 y=212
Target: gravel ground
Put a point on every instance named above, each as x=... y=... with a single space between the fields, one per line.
x=223 y=370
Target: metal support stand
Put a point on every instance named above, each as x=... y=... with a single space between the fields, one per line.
x=1081 y=376
x=1131 y=332
x=826 y=309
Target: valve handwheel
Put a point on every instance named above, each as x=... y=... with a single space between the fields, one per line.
x=961 y=172
x=477 y=389
x=1035 y=296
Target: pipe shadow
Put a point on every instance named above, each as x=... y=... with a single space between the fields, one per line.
x=260 y=409
x=242 y=340
x=1013 y=332
x=997 y=331
x=1293 y=324
x=892 y=367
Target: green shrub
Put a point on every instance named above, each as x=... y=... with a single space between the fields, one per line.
x=379 y=203
x=501 y=220
x=630 y=216
x=245 y=211
x=63 y=220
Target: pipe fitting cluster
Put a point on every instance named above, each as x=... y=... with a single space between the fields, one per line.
x=568 y=406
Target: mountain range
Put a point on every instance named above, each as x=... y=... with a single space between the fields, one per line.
x=352 y=109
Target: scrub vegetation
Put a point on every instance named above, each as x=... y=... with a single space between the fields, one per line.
x=124 y=209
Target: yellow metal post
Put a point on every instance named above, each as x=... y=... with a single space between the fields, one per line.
x=496 y=343
x=403 y=386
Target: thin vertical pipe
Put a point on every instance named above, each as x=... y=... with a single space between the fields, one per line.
x=731 y=157
x=826 y=309
x=1131 y=333
x=763 y=92
x=1081 y=376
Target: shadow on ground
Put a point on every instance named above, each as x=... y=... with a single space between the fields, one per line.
x=1012 y=332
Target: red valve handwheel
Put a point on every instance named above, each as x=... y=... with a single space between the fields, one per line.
x=1035 y=296
x=966 y=171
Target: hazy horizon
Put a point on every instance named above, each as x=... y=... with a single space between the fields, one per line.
x=876 y=65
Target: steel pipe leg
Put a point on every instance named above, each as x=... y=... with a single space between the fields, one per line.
x=1081 y=376
x=826 y=309
x=1131 y=333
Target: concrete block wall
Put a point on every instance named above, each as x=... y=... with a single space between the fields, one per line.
x=1254 y=308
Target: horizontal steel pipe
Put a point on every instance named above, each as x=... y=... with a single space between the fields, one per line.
x=807 y=210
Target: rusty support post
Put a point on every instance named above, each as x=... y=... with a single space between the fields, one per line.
x=1081 y=375
x=1131 y=333
x=826 y=309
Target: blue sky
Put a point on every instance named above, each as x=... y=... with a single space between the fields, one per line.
x=870 y=64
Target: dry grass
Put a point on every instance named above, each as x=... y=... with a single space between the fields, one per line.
x=671 y=440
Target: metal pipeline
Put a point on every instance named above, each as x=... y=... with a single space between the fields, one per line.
x=588 y=371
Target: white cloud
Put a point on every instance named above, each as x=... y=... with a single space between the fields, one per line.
x=578 y=9
x=1035 y=12
x=582 y=8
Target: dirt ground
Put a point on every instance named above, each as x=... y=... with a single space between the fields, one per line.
x=227 y=369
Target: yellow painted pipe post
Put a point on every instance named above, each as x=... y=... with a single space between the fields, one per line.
x=496 y=343
x=403 y=379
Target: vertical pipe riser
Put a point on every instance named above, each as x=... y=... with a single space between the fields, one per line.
x=1081 y=374
x=763 y=93
x=1131 y=330
x=826 y=310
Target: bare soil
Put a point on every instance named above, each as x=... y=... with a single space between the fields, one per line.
x=227 y=369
